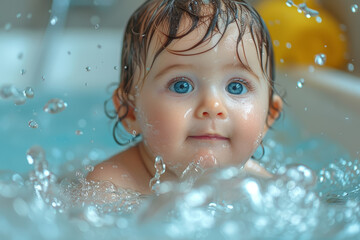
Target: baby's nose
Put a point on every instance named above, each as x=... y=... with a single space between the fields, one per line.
x=211 y=107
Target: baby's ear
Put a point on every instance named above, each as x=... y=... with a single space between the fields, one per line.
x=126 y=112
x=274 y=110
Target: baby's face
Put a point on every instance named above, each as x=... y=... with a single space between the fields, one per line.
x=204 y=107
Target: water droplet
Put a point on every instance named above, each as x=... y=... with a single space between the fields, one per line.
x=23 y=71
x=116 y=68
x=276 y=43
x=307 y=11
x=79 y=132
x=18 y=15
x=7 y=26
x=33 y=124
x=354 y=8
x=7 y=91
x=35 y=155
x=350 y=67
x=282 y=60
x=318 y=19
x=125 y=67
x=43 y=77
x=288 y=45
x=89 y=168
x=29 y=92
x=88 y=69
x=53 y=20
x=300 y=83
x=159 y=165
x=320 y=59
x=305 y=109
x=289 y=3
x=96 y=26
x=55 y=105
x=311 y=69
x=154 y=183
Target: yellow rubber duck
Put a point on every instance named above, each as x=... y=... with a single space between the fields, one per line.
x=297 y=39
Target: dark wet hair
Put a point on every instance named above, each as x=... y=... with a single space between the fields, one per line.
x=164 y=16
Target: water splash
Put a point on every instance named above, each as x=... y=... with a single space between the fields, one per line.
x=303 y=8
x=159 y=170
x=54 y=106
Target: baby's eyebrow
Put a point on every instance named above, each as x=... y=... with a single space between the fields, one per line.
x=242 y=67
x=172 y=67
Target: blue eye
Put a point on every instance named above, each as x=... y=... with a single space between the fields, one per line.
x=236 y=88
x=181 y=87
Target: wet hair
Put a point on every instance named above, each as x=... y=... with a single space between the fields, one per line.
x=164 y=17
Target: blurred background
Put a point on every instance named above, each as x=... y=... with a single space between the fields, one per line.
x=70 y=50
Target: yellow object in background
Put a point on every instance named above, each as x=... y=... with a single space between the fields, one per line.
x=298 y=39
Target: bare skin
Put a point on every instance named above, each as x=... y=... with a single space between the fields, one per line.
x=205 y=106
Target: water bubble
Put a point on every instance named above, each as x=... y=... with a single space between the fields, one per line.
x=33 y=124
x=22 y=71
x=276 y=43
x=97 y=26
x=43 y=77
x=354 y=8
x=350 y=67
x=116 y=68
x=29 y=92
x=125 y=67
x=55 y=105
x=53 y=20
x=88 y=69
x=300 y=83
x=318 y=19
x=18 y=15
x=288 y=45
x=79 y=132
x=320 y=59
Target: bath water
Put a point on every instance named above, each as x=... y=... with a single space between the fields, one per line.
x=314 y=195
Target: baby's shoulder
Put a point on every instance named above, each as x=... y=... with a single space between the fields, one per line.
x=124 y=169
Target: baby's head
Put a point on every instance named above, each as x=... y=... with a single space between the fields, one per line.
x=197 y=81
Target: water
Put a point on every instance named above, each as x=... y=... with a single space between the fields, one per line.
x=224 y=203
x=55 y=105
x=320 y=59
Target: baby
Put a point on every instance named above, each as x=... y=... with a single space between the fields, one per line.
x=197 y=85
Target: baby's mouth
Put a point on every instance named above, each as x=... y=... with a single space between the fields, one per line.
x=209 y=137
